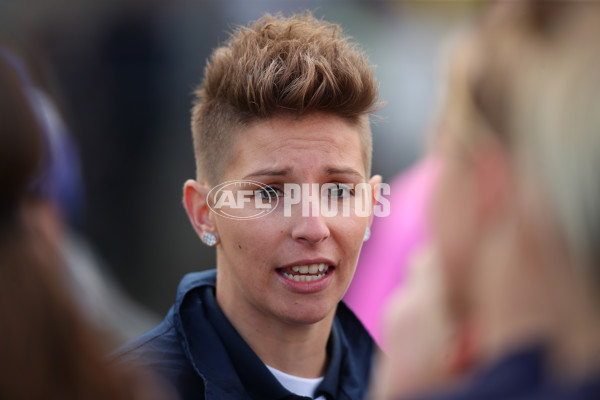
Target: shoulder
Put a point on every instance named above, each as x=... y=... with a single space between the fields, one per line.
x=354 y=332
x=164 y=350
x=160 y=353
x=357 y=350
x=163 y=342
x=156 y=343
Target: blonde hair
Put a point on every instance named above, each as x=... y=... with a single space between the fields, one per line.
x=535 y=84
x=297 y=65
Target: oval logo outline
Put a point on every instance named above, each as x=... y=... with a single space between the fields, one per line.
x=214 y=192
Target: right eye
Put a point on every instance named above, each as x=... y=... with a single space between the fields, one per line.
x=268 y=192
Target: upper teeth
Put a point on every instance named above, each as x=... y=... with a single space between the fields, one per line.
x=312 y=268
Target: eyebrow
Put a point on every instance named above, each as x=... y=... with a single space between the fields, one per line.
x=343 y=171
x=287 y=171
x=269 y=172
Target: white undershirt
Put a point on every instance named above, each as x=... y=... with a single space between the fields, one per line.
x=300 y=386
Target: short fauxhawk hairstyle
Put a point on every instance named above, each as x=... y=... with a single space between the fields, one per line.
x=279 y=66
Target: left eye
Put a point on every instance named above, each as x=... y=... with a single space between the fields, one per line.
x=340 y=190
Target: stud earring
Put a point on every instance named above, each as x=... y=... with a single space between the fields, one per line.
x=209 y=239
x=367 y=234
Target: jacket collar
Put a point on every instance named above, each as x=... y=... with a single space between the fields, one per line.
x=200 y=342
x=203 y=346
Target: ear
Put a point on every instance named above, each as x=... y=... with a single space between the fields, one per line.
x=194 y=201
x=375 y=183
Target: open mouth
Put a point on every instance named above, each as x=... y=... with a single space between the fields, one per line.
x=306 y=273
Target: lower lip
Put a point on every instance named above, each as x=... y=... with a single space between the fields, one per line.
x=307 y=287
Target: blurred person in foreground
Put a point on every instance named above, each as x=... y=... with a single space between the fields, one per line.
x=284 y=102
x=47 y=348
x=57 y=208
x=506 y=305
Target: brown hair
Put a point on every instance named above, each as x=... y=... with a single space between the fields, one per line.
x=296 y=65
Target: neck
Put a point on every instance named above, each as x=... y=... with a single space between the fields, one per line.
x=577 y=352
x=519 y=321
x=512 y=298
x=536 y=298
x=295 y=349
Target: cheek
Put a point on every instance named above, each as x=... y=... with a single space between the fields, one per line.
x=350 y=234
x=239 y=240
x=259 y=240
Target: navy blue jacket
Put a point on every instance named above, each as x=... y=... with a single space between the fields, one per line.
x=199 y=352
x=521 y=375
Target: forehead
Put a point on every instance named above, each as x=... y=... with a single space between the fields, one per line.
x=305 y=144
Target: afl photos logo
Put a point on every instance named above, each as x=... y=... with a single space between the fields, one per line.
x=242 y=199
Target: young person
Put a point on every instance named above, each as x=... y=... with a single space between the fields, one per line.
x=285 y=102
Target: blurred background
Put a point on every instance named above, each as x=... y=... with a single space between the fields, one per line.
x=122 y=73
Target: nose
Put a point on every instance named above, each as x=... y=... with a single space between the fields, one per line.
x=310 y=229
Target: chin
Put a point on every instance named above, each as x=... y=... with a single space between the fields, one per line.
x=308 y=315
